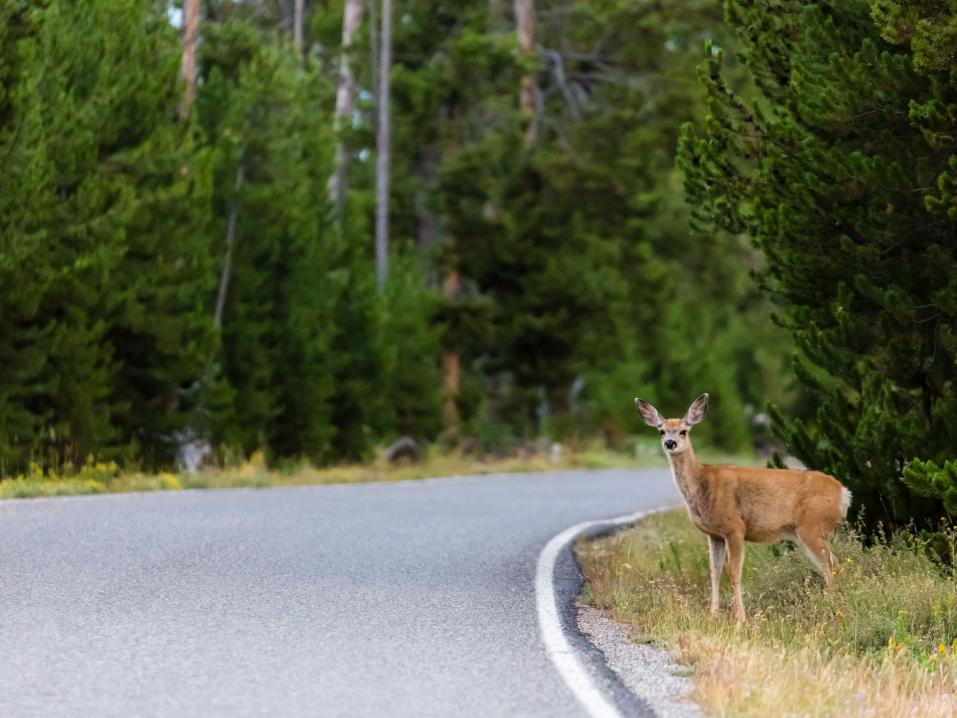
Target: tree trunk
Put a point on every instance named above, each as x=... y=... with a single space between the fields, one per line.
x=451 y=293
x=226 y=274
x=528 y=98
x=345 y=103
x=383 y=149
x=451 y=362
x=188 y=68
x=298 y=21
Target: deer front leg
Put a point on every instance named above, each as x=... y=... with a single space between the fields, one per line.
x=736 y=567
x=716 y=545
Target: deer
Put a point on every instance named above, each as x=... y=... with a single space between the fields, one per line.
x=734 y=504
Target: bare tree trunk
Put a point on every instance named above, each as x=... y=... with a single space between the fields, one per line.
x=188 y=68
x=383 y=149
x=345 y=103
x=528 y=99
x=451 y=293
x=226 y=274
x=298 y=21
x=451 y=360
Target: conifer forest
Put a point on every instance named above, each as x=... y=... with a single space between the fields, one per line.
x=310 y=227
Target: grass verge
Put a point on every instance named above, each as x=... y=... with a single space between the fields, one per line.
x=106 y=477
x=882 y=643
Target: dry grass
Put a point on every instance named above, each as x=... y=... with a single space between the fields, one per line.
x=105 y=477
x=882 y=643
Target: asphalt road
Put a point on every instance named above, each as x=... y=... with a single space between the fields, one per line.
x=403 y=599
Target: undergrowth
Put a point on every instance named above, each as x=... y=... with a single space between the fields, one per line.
x=96 y=477
x=883 y=642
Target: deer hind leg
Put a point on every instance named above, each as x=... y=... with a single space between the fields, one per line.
x=717 y=545
x=735 y=544
x=816 y=546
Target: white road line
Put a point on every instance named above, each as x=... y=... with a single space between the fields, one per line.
x=559 y=650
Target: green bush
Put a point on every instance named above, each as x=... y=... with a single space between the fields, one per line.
x=928 y=479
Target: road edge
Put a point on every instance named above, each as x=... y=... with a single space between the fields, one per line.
x=582 y=667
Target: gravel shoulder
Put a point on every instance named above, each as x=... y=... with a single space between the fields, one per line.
x=650 y=673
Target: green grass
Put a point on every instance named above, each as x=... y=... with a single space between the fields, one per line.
x=881 y=643
x=105 y=477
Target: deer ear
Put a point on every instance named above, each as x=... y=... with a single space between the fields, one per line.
x=649 y=414
x=696 y=411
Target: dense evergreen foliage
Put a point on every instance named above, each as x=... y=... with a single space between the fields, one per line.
x=580 y=281
x=840 y=165
x=169 y=278
x=104 y=265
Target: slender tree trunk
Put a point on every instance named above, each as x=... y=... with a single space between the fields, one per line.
x=345 y=103
x=451 y=293
x=383 y=149
x=298 y=21
x=451 y=361
x=227 y=272
x=528 y=98
x=188 y=68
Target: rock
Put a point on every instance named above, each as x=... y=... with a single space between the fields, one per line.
x=192 y=455
x=405 y=449
x=555 y=453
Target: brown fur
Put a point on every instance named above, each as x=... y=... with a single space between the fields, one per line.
x=734 y=504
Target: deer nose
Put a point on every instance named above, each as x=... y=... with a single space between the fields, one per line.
x=670 y=444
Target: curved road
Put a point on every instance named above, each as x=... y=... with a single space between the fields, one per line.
x=402 y=599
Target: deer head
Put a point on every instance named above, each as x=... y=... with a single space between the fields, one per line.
x=675 y=437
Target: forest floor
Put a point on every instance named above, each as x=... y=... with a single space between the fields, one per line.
x=883 y=642
x=106 y=477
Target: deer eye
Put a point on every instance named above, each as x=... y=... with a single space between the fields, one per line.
x=683 y=432
x=662 y=432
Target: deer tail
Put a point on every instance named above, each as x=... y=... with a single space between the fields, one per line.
x=845 y=501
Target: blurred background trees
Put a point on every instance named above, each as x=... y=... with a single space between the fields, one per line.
x=189 y=254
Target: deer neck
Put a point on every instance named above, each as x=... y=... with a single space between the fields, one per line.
x=687 y=475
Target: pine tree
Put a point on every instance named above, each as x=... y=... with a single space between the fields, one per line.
x=578 y=244
x=264 y=113
x=161 y=331
x=27 y=263
x=378 y=353
x=106 y=299
x=831 y=169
